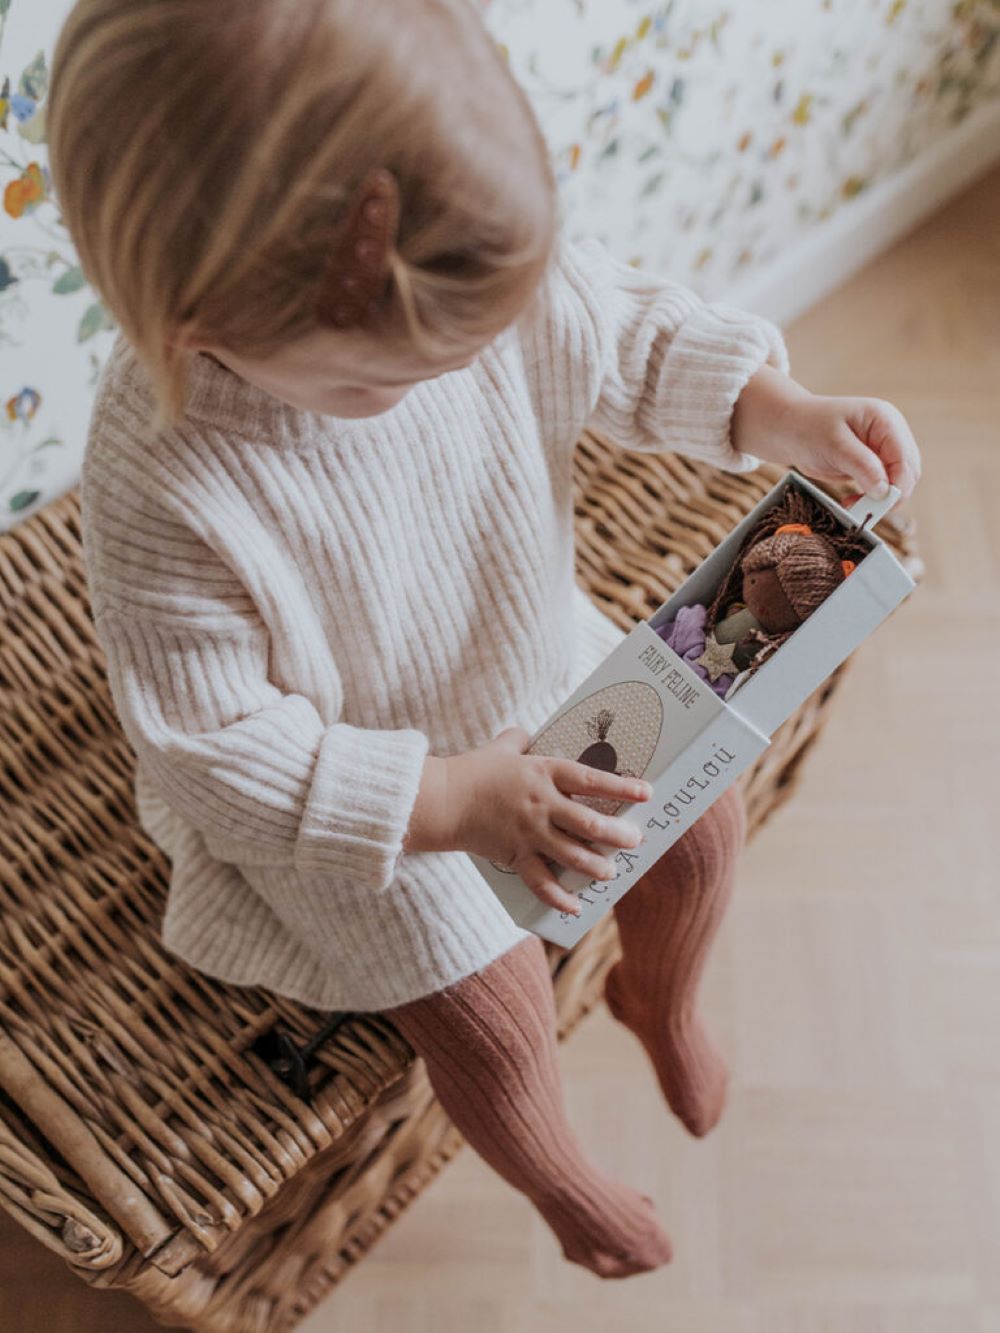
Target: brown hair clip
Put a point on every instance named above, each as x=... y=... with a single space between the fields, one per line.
x=355 y=278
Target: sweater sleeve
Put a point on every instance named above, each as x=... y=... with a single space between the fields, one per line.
x=256 y=769
x=659 y=368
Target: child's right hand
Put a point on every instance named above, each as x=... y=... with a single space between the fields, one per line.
x=515 y=808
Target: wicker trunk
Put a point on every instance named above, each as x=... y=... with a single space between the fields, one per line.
x=144 y=1136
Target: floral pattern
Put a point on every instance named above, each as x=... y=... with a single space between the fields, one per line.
x=694 y=137
x=54 y=331
x=702 y=138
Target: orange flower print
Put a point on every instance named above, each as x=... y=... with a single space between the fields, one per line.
x=26 y=192
x=24 y=405
x=643 y=86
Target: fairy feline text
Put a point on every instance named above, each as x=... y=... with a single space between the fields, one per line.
x=668 y=676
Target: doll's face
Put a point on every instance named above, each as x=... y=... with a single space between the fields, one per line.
x=764 y=595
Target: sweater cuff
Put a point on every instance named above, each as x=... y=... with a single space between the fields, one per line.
x=364 y=788
x=710 y=358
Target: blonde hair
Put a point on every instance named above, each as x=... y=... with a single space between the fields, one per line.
x=204 y=151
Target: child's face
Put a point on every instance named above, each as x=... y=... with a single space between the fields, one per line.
x=337 y=374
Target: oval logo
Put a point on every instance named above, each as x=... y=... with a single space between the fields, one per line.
x=616 y=729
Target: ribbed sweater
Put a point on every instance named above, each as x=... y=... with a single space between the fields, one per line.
x=297 y=608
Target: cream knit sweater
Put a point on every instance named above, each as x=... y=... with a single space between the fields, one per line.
x=297 y=608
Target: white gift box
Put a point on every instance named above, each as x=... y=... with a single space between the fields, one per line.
x=657 y=719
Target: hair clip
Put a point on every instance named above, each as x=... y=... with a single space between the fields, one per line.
x=355 y=277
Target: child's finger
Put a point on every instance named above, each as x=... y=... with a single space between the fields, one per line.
x=574 y=778
x=575 y=855
x=886 y=432
x=904 y=463
x=862 y=464
x=513 y=738
x=581 y=821
x=540 y=880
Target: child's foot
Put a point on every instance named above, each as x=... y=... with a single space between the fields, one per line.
x=691 y=1072
x=607 y=1227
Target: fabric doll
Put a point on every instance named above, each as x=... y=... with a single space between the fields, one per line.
x=791 y=562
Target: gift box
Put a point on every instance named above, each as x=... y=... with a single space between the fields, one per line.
x=645 y=711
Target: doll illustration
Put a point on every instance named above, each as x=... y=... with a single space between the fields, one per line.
x=616 y=729
x=602 y=754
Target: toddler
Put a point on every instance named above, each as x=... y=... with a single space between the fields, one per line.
x=328 y=526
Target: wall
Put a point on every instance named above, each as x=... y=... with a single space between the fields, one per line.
x=704 y=138
x=696 y=138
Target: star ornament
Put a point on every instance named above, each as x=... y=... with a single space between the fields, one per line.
x=717 y=659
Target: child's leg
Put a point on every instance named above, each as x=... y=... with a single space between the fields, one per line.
x=489 y=1042
x=666 y=923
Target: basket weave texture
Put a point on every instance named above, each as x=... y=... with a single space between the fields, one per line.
x=141 y=1137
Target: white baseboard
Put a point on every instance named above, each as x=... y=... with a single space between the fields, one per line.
x=825 y=258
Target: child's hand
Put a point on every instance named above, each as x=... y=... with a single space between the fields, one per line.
x=864 y=439
x=515 y=808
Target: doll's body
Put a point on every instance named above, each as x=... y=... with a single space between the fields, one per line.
x=686 y=634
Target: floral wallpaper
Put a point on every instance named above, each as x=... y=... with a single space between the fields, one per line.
x=695 y=137
x=702 y=138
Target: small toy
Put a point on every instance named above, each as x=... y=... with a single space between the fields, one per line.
x=790 y=564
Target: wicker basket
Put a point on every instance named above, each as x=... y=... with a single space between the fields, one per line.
x=142 y=1135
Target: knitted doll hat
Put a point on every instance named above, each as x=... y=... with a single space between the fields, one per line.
x=806 y=564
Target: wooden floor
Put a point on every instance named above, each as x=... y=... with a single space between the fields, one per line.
x=854 y=1183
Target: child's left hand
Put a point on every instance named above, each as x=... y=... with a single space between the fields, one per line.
x=864 y=439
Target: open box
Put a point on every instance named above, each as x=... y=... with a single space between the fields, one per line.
x=673 y=730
